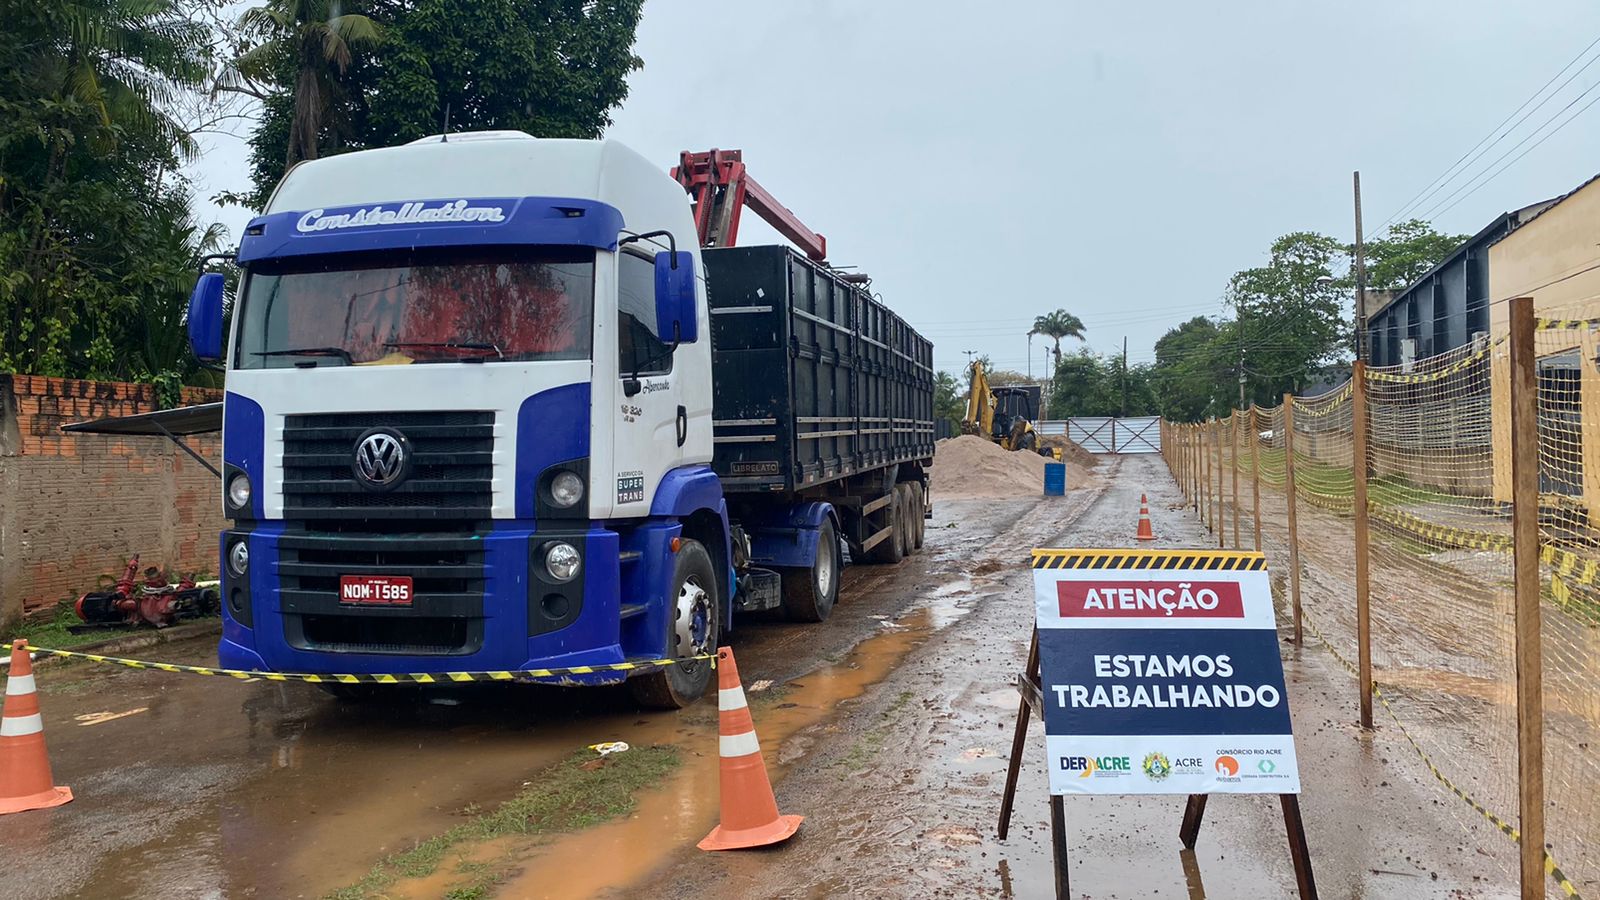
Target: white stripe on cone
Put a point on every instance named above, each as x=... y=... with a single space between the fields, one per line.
x=729 y=699
x=730 y=744
x=17 y=685
x=22 y=726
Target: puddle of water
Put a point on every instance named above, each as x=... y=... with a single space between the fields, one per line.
x=686 y=807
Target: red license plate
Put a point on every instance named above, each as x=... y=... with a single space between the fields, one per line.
x=375 y=590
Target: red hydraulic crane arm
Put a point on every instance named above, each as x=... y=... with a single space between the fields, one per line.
x=721 y=187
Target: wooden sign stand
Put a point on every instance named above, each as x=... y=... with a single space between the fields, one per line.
x=1032 y=691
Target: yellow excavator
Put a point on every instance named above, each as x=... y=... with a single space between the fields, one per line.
x=1003 y=414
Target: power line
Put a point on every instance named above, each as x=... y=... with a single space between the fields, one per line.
x=1519 y=156
x=1439 y=182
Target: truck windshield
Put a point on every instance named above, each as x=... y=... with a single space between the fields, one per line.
x=435 y=306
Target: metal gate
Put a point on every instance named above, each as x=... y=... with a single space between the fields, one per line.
x=1104 y=434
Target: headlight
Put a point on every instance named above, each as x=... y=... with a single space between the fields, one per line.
x=239 y=490
x=566 y=489
x=239 y=558
x=561 y=561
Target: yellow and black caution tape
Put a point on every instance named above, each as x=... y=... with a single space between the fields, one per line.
x=1460 y=365
x=1441 y=534
x=1564 y=324
x=1505 y=827
x=366 y=678
x=1322 y=404
x=1214 y=560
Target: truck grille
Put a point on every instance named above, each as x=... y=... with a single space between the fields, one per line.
x=445 y=617
x=452 y=456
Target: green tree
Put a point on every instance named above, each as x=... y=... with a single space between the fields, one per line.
x=1082 y=385
x=1057 y=325
x=89 y=144
x=1086 y=384
x=305 y=48
x=1191 y=374
x=949 y=400
x=552 y=68
x=1406 y=252
x=1290 y=316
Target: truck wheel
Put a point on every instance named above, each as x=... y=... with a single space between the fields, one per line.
x=692 y=631
x=1029 y=442
x=919 y=525
x=908 y=517
x=809 y=594
x=892 y=549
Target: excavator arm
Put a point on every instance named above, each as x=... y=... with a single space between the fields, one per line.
x=980 y=405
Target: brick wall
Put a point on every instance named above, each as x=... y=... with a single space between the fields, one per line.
x=74 y=507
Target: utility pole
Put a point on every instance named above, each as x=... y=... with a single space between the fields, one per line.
x=1363 y=351
x=1238 y=325
x=1030 y=356
x=1124 y=376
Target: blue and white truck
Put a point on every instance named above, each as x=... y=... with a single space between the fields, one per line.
x=490 y=407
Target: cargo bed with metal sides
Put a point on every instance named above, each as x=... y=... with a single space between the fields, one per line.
x=822 y=394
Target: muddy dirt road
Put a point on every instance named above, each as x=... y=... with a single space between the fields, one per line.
x=196 y=787
x=887 y=727
x=902 y=786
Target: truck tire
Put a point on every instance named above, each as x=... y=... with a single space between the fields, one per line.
x=693 y=630
x=809 y=594
x=1029 y=442
x=892 y=549
x=919 y=508
x=908 y=517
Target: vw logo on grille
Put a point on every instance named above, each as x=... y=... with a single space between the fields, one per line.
x=381 y=457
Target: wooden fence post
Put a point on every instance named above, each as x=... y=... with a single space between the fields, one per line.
x=1209 y=514
x=1525 y=573
x=1194 y=466
x=1289 y=492
x=1358 y=469
x=1255 y=473
x=1233 y=448
x=1222 y=487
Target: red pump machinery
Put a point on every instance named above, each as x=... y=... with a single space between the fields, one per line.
x=154 y=602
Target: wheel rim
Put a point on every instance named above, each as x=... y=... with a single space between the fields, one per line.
x=826 y=557
x=692 y=626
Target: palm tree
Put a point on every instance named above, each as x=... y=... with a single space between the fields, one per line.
x=126 y=63
x=1058 y=325
x=308 y=43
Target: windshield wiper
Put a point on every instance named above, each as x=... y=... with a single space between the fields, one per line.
x=340 y=352
x=445 y=345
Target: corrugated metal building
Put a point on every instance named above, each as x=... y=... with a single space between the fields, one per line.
x=1444 y=308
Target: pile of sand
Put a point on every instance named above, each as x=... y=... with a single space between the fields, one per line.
x=1071 y=451
x=969 y=467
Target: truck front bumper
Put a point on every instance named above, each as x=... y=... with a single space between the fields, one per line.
x=483 y=602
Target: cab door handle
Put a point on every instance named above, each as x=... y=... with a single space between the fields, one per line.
x=683 y=425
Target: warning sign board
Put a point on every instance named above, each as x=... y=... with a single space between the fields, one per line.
x=1160 y=673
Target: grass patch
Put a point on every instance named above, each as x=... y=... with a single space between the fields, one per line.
x=581 y=791
x=51 y=630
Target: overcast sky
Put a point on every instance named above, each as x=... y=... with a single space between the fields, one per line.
x=989 y=162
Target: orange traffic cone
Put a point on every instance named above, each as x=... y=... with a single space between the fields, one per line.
x=25 y=781
x=749 y=811
x=1145 y=534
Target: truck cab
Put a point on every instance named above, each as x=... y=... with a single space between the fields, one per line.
x=468 y=411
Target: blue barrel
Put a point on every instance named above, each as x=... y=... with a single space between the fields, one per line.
x=1055 y=479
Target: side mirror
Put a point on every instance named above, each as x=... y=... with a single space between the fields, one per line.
x=676 y=322
x=205 y=317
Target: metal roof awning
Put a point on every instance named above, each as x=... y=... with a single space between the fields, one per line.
x=172 y=424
